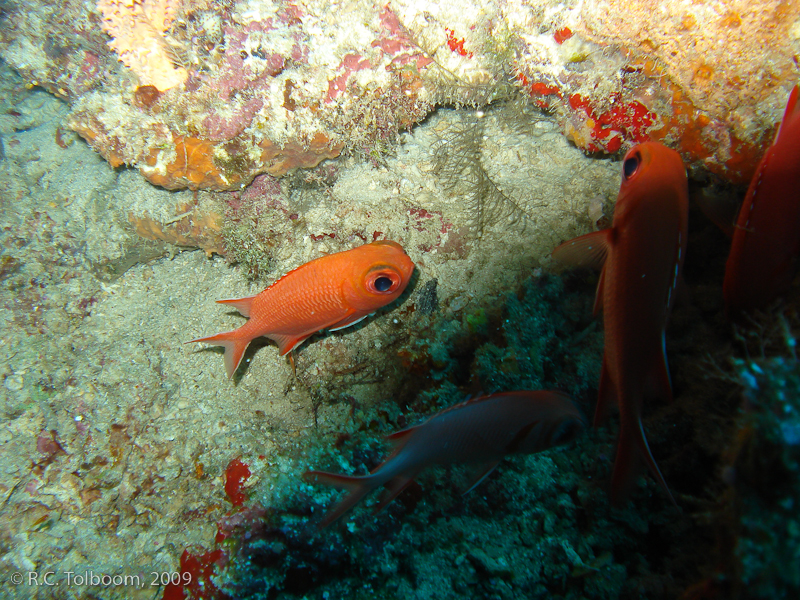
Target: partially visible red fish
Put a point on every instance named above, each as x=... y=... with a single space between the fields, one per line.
x=642 y=256
x=766 y=240
x=481 y=431
x=331 y=292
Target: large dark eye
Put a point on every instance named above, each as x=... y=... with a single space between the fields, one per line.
x=382 y=284
x=383 y=281
x=631 y=165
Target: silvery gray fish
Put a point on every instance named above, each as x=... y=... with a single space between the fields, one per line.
x=481 y=431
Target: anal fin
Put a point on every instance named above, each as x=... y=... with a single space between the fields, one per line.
x=286 y=343
x=243 y=305
x=393 y=489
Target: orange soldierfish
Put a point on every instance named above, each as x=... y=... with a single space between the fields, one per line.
x=766 y=240
x=642 y=256
x=481 y=430
x=330 y=292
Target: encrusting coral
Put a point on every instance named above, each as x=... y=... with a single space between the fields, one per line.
x=137 y=30
x=258 y=82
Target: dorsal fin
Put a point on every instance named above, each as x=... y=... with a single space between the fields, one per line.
x=285 y=275
x=399 y=437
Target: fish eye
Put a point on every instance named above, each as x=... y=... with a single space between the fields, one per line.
x=382 y=284
x=383 y=281
x=631 y=165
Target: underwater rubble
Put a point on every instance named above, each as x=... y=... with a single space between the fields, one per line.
x=269 y=133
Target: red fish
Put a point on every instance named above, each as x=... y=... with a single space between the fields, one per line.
x=766 y=240
x=331 y=292
x=642 y=256
x=481 y=431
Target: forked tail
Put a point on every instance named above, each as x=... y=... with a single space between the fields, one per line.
x=358 y=487
x=234 y=345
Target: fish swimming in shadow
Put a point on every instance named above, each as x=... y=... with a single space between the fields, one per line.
x=765 y=249
x=642 y=256
x=480 y=431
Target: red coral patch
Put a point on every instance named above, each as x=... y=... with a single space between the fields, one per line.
x=236 y=475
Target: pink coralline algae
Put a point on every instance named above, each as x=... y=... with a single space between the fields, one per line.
x=264 y=192
x=219 y=128
x=275 y=86
x=244 y=66
x=351 y=63
x=396 y=42
x=86 y=78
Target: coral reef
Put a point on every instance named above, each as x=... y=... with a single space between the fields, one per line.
x=705 y=78
x=540 y=525
x=537 y=354
x=127 y=452
x=137 y=36
x=269 y=86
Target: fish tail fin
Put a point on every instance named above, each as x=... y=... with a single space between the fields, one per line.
x=632 y=448
x=358 y=487
x=234 y=343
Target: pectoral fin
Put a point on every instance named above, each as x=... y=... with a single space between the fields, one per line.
x=585 y=251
